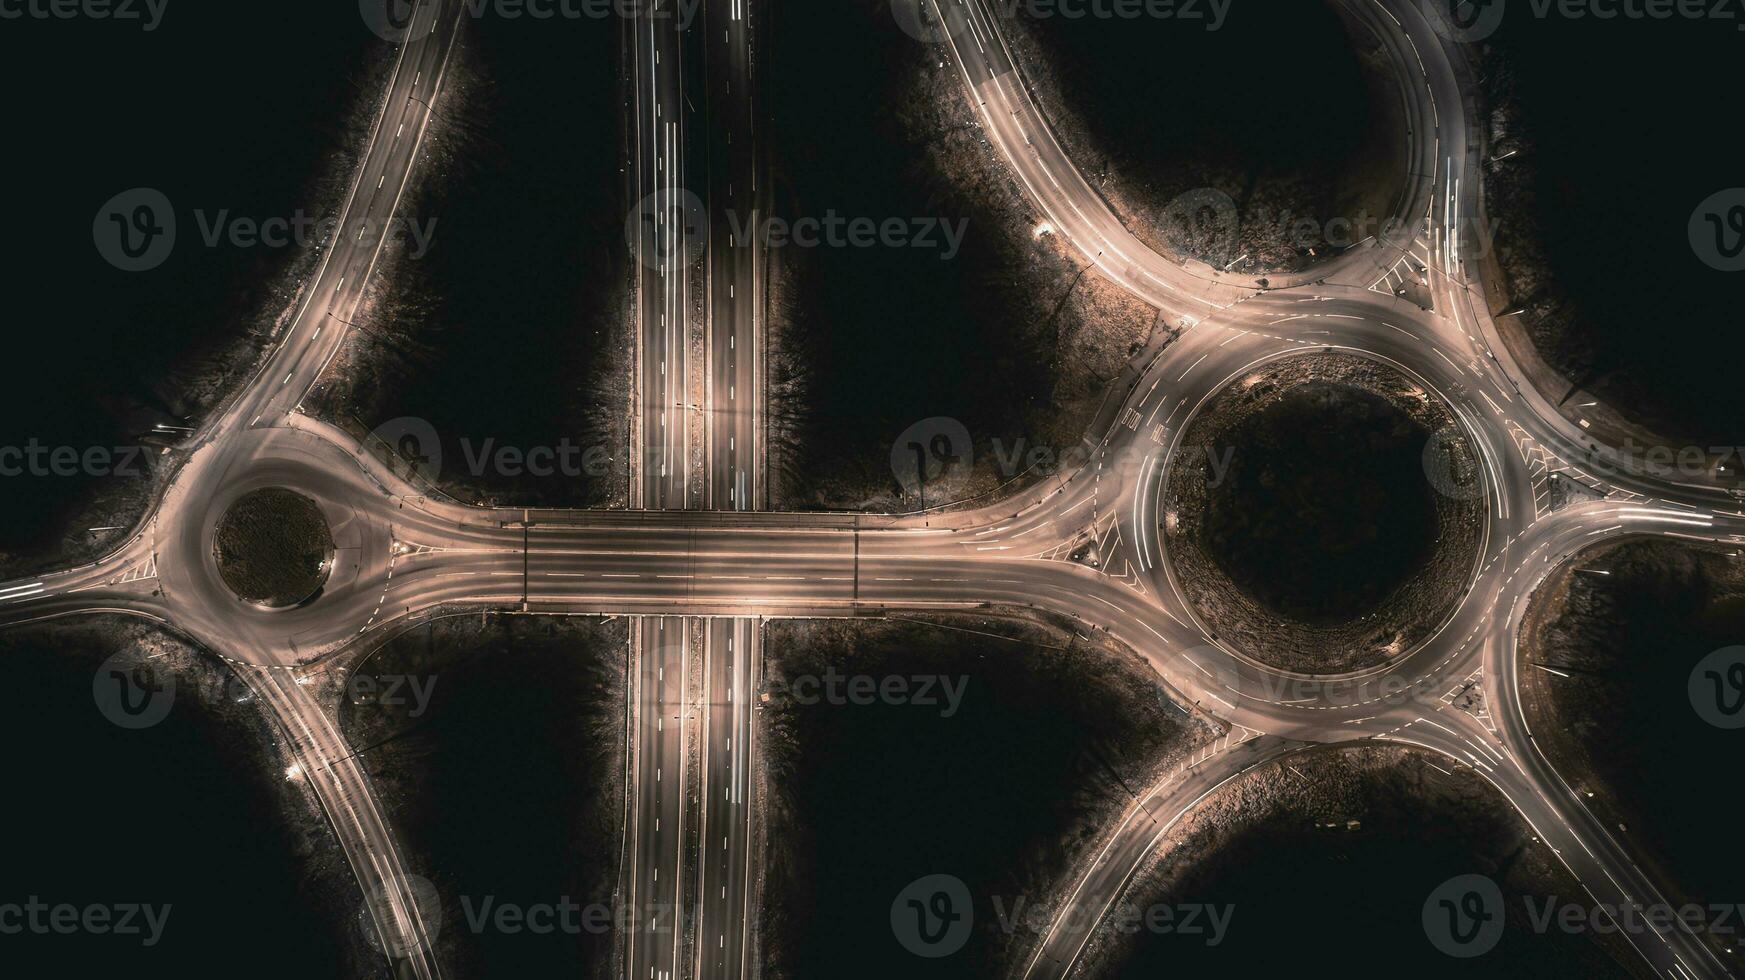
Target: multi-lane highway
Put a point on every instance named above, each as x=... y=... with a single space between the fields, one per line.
x=736 y=197
x=405 y=555
x=667 y=470
x=724 y=874
x=699 y=386
x=661 y=717
x=669 y=231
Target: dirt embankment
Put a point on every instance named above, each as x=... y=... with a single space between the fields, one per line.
x=1278 y=529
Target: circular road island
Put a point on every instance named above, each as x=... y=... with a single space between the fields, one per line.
x=273 y=548
x=1324 y=513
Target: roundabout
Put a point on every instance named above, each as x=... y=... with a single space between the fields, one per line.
x=1303 y=520
x=1321 y=462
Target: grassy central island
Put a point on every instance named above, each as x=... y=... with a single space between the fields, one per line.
x=273 y=547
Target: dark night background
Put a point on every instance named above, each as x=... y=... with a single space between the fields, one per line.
x=243 y=106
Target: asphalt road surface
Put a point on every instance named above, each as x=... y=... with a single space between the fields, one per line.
x=666 y=471
x=663 y=717
x=407 y=554
x=667 y=227
x=736 y=197
x=724 y=878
